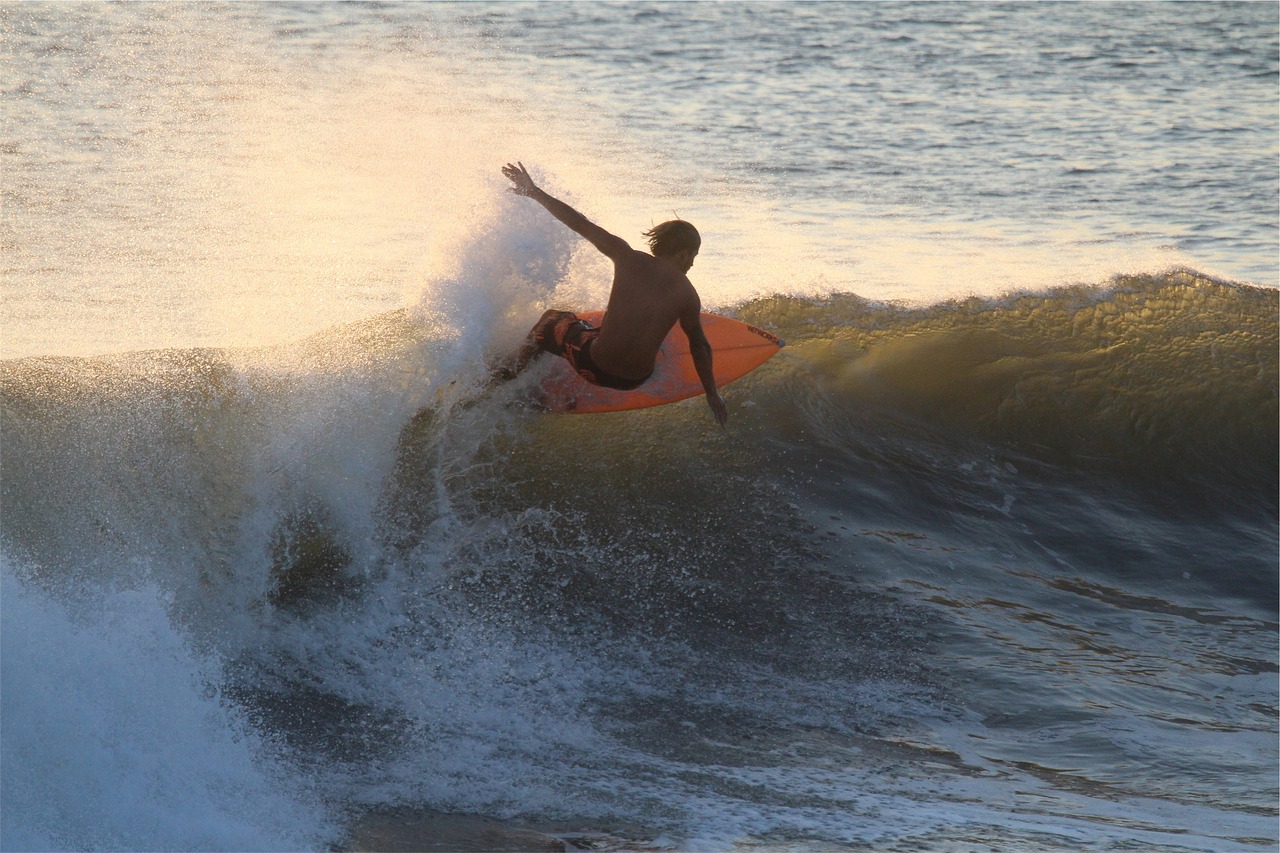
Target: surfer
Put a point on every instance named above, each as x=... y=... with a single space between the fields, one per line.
x=650 y=294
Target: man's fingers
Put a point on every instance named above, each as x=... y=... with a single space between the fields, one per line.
x=517 y=173
x=519 y=176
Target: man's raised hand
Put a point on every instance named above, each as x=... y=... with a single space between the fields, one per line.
x=519 y=176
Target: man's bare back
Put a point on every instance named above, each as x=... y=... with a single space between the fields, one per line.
x=650 y=294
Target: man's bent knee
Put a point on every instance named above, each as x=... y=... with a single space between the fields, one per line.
x=549 y=332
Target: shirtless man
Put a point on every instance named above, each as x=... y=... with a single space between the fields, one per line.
x=650 y=294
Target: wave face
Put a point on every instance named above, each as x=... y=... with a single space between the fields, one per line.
x=989 y=571
x=1155 y=379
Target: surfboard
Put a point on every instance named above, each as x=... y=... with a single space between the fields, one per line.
x=737 y=349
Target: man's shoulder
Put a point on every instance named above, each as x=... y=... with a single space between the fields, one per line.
x=644 y=266
x=636 y=256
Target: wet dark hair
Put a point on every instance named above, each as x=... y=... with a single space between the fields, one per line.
x=672 y=237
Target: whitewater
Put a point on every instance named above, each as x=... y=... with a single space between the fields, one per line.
x=986 y=557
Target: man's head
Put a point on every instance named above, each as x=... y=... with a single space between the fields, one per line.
x=675 y=237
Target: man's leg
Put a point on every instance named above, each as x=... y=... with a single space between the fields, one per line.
x=516 y=364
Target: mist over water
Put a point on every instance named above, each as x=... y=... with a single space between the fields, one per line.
x=985 y=558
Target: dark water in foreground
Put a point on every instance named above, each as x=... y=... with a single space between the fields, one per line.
x=989 y=572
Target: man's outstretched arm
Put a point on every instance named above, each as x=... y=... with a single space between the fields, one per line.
x=610 y=245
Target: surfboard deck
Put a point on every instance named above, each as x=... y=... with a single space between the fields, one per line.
x=738 y=349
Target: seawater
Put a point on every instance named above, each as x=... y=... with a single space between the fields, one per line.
x=986 y=558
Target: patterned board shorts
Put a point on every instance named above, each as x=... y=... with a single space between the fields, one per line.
x=565 y=334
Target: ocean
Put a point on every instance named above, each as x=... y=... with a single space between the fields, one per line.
x=985 y=559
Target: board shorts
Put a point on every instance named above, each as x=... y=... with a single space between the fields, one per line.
x=565 y=334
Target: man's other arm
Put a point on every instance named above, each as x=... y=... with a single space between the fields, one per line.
x=700 y=349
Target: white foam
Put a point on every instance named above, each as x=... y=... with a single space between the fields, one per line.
x=114 y=737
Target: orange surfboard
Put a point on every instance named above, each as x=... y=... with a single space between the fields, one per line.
x=737 y=349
